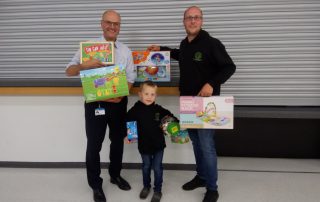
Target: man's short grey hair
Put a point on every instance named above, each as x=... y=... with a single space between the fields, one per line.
x=184 y=15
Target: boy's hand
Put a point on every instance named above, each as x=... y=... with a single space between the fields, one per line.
x=126 y=141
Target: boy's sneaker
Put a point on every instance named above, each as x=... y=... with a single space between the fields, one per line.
x=211 y=196
x=144 y=192
x=156 y=197
x=194 y=183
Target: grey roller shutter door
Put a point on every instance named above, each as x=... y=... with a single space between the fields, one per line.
x=275 y=44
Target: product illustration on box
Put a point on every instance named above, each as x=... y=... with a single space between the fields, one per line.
x=154 y=65
x=181 y=138
x=132 y=132
x=104 y=83
x=103 y=51
x=206 y=112
x=171 y=128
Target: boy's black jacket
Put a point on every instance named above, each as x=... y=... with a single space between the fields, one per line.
x=148 y=117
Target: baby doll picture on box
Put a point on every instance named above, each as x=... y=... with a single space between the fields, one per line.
x=206 y=112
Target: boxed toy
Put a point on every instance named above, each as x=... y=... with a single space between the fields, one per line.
x=132 y=132
x=154 y=65
x=103 y=51
x=171 y=128
x=103 y=83
x=181 y=138
x=206 y=112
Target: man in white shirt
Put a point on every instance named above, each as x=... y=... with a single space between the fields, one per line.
x=115 y=111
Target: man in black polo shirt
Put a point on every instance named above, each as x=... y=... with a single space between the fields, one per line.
x=204 y=65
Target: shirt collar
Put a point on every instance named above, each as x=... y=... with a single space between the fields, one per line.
x=116 y=43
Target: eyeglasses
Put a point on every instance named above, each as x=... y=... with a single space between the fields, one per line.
x=109 y=23
x=195 y=18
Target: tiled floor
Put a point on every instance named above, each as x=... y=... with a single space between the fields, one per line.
x=240 y=180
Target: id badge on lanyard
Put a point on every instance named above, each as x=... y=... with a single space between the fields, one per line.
x=100 y=111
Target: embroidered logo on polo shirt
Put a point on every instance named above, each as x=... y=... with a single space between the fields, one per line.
x=197 y=56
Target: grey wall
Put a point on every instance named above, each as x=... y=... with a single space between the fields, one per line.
x=275 y=44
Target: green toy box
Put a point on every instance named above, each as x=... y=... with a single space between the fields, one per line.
x=104 y=83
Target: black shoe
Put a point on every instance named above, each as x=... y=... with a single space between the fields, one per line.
x=156 y=197
x=98 y=195
x=144 y=192
x=194 y=183
x=122 y=183
x=211 y=196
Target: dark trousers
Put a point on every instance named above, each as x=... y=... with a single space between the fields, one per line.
x=152 y=161
x=96 y=126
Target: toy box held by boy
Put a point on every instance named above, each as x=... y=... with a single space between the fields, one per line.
x=132 y=132
x=153 y=65
x=206 y=112
x=104 y=83
x=103 y=51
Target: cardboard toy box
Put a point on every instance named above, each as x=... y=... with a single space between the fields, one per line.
x=153 y=65
x=132 y=132
x=103 y=83
x=103 y=51
x=206 y=112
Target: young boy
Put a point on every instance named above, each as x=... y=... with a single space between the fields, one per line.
x=151 y=142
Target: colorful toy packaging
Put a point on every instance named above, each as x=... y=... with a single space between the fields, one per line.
x=103 y=83
x=206 y=112
x=181 y=138
x=153 y=66
x=132 y=132
x=103 y=51
x=171 y=128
